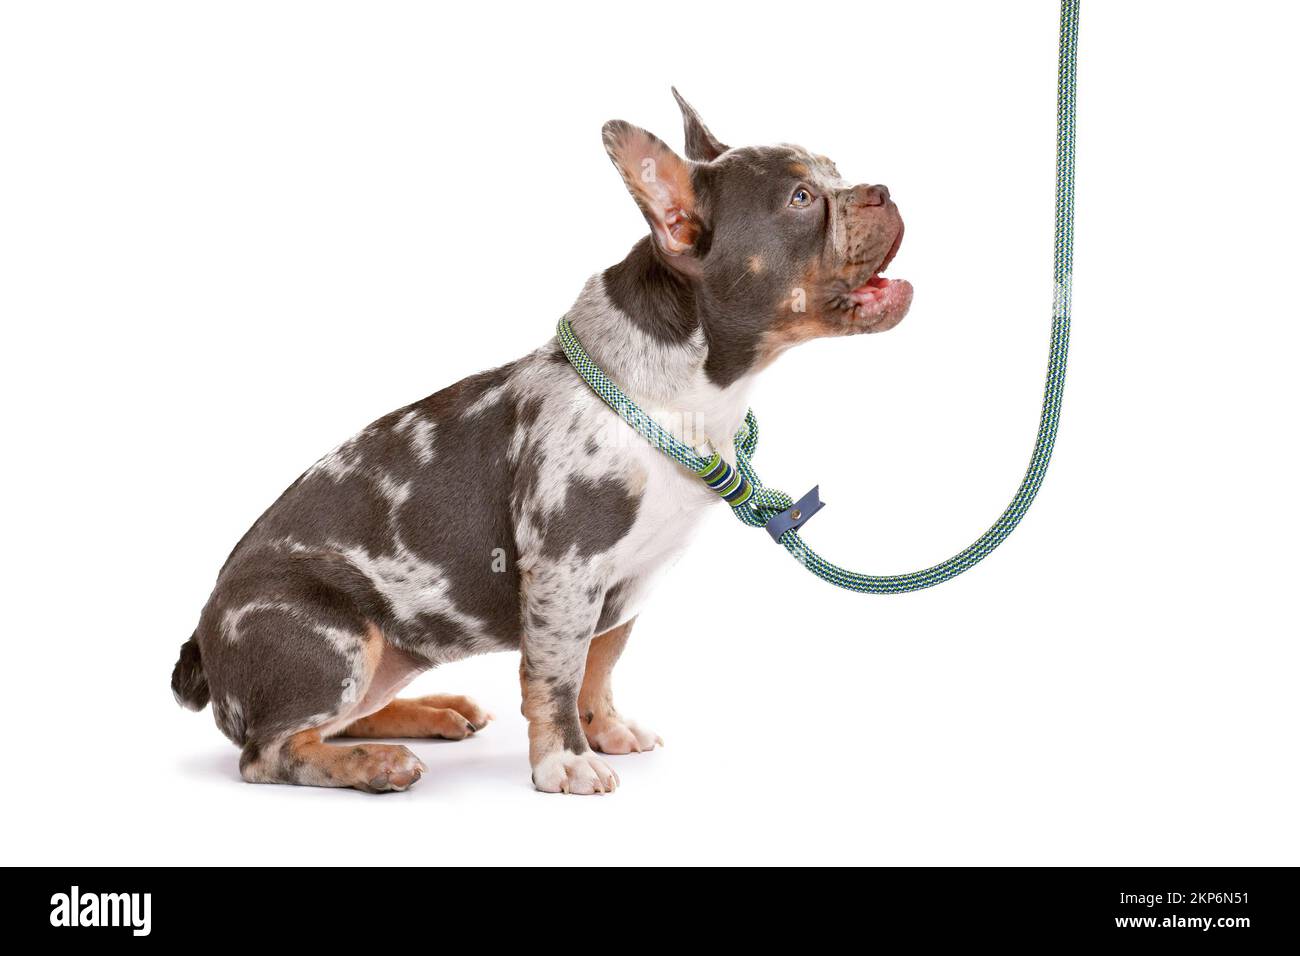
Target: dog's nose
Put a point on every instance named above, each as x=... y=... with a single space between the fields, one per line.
x=869 y=196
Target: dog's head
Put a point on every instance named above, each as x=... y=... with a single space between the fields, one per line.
x=774 y=247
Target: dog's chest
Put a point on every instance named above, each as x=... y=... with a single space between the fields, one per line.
x=671 y=508
x=672 y=502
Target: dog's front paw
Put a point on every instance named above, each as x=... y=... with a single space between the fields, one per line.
x=613 y=735
x=566 y=772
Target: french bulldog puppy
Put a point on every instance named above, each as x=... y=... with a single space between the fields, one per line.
x=513 y=511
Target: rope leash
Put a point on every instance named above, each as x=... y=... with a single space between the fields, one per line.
x=760 y=506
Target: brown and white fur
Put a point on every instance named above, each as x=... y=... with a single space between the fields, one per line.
x=513 y=510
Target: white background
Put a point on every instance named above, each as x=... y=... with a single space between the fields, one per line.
x=234 y=233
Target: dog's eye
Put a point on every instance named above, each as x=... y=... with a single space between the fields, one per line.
x=801 y=198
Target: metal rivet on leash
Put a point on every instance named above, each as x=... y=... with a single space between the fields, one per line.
x=760 y=506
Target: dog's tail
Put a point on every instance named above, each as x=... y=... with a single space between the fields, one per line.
x=189 y=683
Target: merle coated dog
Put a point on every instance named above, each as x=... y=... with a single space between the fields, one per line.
x=514 y=510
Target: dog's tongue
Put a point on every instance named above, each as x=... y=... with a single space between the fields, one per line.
x=870 y=288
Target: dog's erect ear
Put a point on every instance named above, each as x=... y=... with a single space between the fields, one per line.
x=701 y=145
x=660 y=182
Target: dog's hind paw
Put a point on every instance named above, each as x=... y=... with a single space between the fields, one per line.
x=440 y=715
x=474 y=714
x=380 y=768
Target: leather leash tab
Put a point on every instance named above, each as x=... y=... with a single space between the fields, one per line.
x=797 y=515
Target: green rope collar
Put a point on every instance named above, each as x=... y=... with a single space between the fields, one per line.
x=757 y=505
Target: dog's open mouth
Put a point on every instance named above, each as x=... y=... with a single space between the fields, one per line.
x=878 y=304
